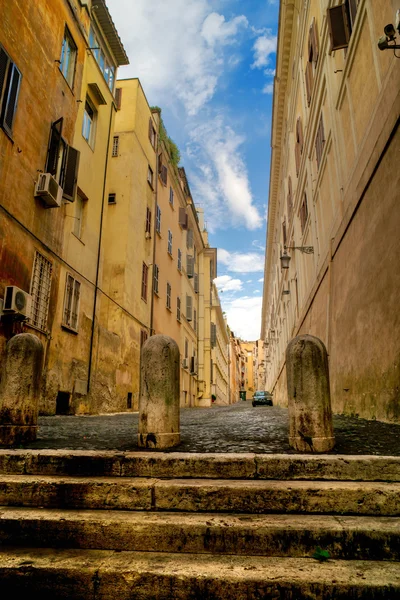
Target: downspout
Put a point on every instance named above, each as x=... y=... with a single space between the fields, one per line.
x=96 y=285
x=154 y=231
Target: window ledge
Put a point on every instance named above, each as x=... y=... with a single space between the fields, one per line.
x=69 y=329
x=169 y=309
x=170 y=255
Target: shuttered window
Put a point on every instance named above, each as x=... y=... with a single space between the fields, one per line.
x=339 y=25
x=183 y=218
x=178 y=308
x=148 y=221
x=189 y=238
x=156 y=274
x=213 y=335
x=189 y=308
x=168 y=296
x=10 y=80
x=62 y=161
x=319 y=141
x=171 y=196
x=298 y=150
x=169 y=242
x=158 y=219
x=284 y=234
x=145 y=271
x=179 y=259
x=195 y=320
x=289 y=199
x=118 y=98
x=71 y=302
x=152 y=133
x=164 y=175
x=303 y=213
x=189 y=266
x=150 y=176
x=115 y=146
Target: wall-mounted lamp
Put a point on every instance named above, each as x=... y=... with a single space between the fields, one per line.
x=285 y=258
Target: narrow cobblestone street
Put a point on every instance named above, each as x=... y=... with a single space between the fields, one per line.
x=236 y=428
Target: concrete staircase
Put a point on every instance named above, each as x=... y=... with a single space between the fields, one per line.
x=110 y=525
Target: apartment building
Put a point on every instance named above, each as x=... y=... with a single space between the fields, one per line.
x=333 y=215
x=57 y=98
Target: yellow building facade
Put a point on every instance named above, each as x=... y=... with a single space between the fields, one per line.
x=220 y=351
x=333 y=202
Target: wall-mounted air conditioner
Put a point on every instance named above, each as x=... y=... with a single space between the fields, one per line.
x=48 y=190
x=17 y=301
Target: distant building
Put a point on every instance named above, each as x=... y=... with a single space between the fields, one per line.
x=334 y=202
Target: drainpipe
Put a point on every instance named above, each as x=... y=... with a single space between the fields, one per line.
x=154 y=230
x=96 y=285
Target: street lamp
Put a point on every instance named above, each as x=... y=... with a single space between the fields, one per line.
x=285 y=258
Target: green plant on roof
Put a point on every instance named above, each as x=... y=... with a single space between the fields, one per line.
x=321 y=555
x=172 y=148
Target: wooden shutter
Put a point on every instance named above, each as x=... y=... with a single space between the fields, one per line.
x=213 y=335
x=160 y=163
x=309 y=76
x=156 y=271
x=54 y=147
x=144 y=281
x=189 y=266
x=70 y=174
x=148 y=220
x=164 y=174
x=189 y=308
x=299 y=134
x=189 y=238
x=338 y=26
x=178 y=308
x=284 y=235
x=319 y=141
x=183 y=218
x=297 y=156
x=10 y=101
x=4 y=63
x=196 y=283
x=118 y=98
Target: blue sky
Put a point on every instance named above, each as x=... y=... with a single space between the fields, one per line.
x=209 y=64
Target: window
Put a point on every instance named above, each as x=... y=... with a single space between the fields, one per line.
x=115 y=146
x=303 y=213
x=164 y=175
x=213 y=333
x=40 y=290
x=189 y=266
x=71 y=302
x=189 y=238
x=89 y=120
x=118 y=98
x=183 y=218
x=112 y=198
x=143 y=336
x=171 y=196
x=196 y=283
x=195 y=319
x=62 y=161
x=158 y=219
x=148 y=222
x=68 y=58
x=319 y=141
x=179 y=259
x=341 y=22
x=10 y=79
x=152 y=133
x=168 y=296
x=79 y=214
x=189 y=308
x=289 y=198
x=169 y=242
x=186 y=348
x=178 y=308
x=145 y=271
x=155 y=278
x=313 y=52
x=102 y=59
x=299 y=144
x=150 y=176
x=284 y=234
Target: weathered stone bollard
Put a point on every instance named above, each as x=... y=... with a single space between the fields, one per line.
x=159 y=416
x=19 y=389
x=309 y=400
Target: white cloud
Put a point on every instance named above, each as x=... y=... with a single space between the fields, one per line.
x=176 y=48
x=223 y=187
x=215 y=29
x=268 y=88
x=237 y=262
x=264 y=46
x=261 y=280
x=244 y=317
x=225 y=283
x=258 y=244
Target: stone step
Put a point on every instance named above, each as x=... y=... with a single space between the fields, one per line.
x=106 y=575
x=208 y=466
x=297 y=536
x=202 y=495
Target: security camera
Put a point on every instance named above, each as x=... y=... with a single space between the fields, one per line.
x=390 y=32
x=383 y=43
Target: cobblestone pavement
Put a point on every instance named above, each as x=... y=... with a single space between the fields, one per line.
x=236 y=428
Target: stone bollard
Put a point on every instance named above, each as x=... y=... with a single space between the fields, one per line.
x=309 y=400
x=159 y=414
x=19 y=390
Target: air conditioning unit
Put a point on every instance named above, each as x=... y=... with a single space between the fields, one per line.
x=17 y=301
x=185 y=363
x=48 y=190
